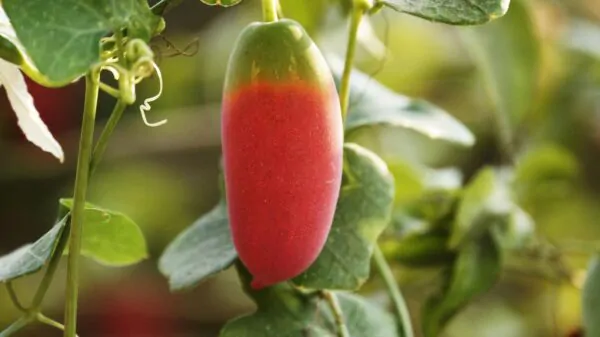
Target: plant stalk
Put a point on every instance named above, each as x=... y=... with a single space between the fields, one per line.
x=338 y=315
x=357 y=14
x=16 y=326
x=402 y=312
x=102 y=142
x=269 y=8
x=52 y=266
x=14 y=298
x=79 y=197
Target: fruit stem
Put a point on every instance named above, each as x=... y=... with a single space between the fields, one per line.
x=81 y=184
x=269 y=10
x=357 y=14
x=338 y=315
x=402 y=312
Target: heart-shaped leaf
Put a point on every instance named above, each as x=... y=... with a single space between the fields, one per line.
x=62 y=37
x=110 y=237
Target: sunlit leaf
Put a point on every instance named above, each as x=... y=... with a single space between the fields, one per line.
x=456 y=12
x=110 y=237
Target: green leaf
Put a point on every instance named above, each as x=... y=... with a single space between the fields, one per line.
x=202 y=250
x=363 y=212
x=10 y=52
x=518 y=232
x=109 y=237
x=454 y=12
x=373 y=104
x=282 y=312
x=422 y=248
x=591 y=299
x=362 y=317
x=31 y=257
x=62 y=37
x=285 y=312
x=486 y=201
x=475 y=271
x=507 y=54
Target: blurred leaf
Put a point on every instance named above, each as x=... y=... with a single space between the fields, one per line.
x=361 y=317
x=224 y=3
x=310 y=17
x=202 y=250
x=109 y=237
x=422 y=248
x=591 y=299
x=518 y=232
x=507 y=54
x=583 y=36
x=546 y=162
x=373 y=104
x=544 y=172
x=163 y=6
x=486 y=200
x=455 y=12
x=363 y=212
x=409 y=178
x=31 y=257
x=62 y=37
x=475 y=271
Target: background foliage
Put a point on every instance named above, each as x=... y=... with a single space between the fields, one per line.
x=531 y=77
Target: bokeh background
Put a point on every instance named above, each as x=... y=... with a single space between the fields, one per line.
x=166 y=177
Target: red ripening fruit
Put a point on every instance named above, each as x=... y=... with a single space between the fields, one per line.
x=282 y=150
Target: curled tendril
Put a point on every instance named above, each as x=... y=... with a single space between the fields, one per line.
x=145 y=107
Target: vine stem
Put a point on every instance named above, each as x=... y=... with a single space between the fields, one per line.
x=357 y=14
x=338 y=315
x=14 y=298
x=390 y=282
x=269 y=8
x=102 y=142
x=17 y=325
x=52 y=266
x=79 y=196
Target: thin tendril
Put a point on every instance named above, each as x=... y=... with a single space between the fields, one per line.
x=145 y=107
